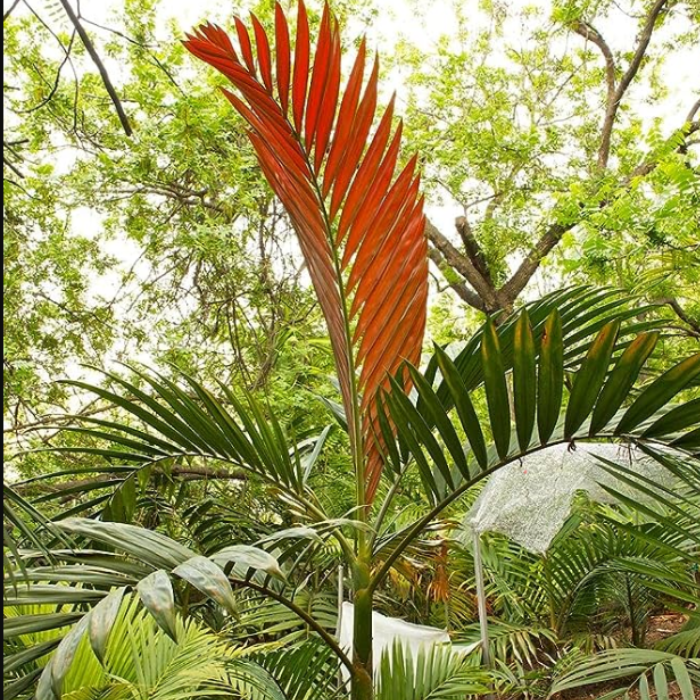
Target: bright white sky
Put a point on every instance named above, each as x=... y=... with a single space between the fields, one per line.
x=424 y=23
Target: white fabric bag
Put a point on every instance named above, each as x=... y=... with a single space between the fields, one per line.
x=385 y=631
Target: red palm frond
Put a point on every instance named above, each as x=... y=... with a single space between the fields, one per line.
x=360 y=224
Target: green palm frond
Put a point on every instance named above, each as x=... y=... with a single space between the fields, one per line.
x=306 y=671
x=523 y=643
x=646 y=671
x=263 y=618
x=687 y=641
x=594 y=406
x=164 y=572
x=140 y=661
x=24 y=525
x=429 y=674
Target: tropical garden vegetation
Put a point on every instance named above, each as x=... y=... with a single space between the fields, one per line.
x=247 y=374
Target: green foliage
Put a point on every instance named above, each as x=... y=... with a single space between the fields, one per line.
x=220 y=508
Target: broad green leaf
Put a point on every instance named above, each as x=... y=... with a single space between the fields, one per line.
x=44 y=688
x=300 y=532
x=659 y=393
x=308 y=461
x=496 y=389
x=439 y=417
x=689 y=441
x=524 y=380
x=156 y=592
x=465 y=409
x=660 y=682
x=250 y=557
x=677 y=419
x=392 y=455
x=550 y=377
x=101 y=620
x=32 y=624
x=589 y=378
x=412 y=429
x=50 y=594
x=146 y=545
x=208 y=578
x=60 y=662
x=685 y=683
x=621 y=380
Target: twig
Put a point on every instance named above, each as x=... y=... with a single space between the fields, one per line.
x=89 y=46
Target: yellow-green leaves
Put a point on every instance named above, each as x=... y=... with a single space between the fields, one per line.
x=496 y=389
x=589 y=378
x=524 y=380
x=550 y=377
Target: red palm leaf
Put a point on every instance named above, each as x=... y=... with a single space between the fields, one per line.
x=360 y=225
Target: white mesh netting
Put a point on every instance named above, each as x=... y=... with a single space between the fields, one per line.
x=528 y=501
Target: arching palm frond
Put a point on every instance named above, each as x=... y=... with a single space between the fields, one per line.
x=81 y=598
x=644 y=670
x=594 y=408
x=438 y=672
x=134 y=659
x=307 y=671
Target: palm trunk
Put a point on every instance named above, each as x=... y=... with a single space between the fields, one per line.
x=362 y=681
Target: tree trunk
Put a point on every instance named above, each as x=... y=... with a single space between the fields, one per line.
x=362 y=680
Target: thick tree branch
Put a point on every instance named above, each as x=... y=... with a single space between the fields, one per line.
x=527 y=268
x=625 y=81
x=592 y=35
x=473 y=248
x=90 y=47
x=463 y=265
x=693 y=111
x=464 y=293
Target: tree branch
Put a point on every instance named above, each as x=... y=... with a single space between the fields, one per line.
x=694 y=323
x=591 y=34
x=473 y=248
x=464 y=293
x=612 y=107
x=463 y=265
x=527 y=268
x=10 y=10
x=90 y=47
